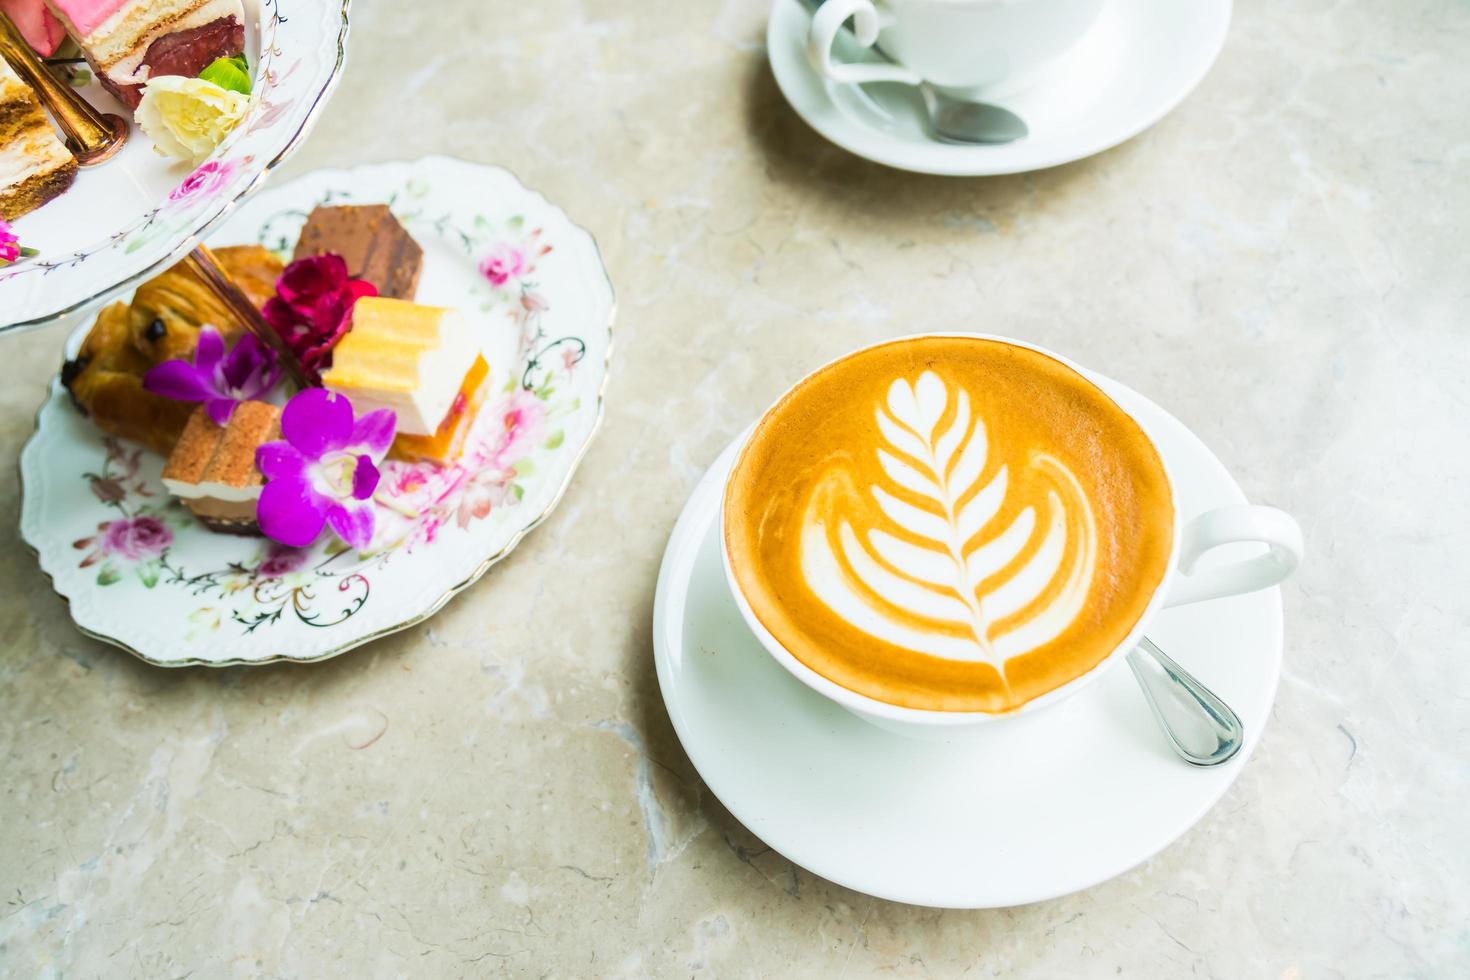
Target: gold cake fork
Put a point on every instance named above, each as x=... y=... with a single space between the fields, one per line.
x=91 y=136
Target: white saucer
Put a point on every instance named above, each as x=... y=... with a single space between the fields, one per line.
x=1071 y=798
x=1138 y=62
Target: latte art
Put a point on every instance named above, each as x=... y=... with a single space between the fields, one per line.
x=941 y=577
x=949 y=523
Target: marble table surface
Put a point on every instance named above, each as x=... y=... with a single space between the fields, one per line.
x=1280 y=262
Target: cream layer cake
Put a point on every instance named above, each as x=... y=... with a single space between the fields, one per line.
x=129 y=41
x=34 y=166
x=212 y=468
x=400 y=355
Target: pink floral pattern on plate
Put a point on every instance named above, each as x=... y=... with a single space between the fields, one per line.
x=206 y=181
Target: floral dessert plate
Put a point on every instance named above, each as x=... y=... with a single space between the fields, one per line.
x=140 y=572
x=140 y=211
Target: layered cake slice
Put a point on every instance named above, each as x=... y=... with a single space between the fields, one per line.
x=447 y=441
x=372 y=242
x=34 y=166
x=212 y=468
x=129 y=41
x=423 y=362
x=42 y=31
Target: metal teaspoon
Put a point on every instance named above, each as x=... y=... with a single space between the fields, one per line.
x=955 y=120
x=1202 y=729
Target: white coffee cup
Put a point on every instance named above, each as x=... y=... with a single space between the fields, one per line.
x=963 y=45
x=1183 y=584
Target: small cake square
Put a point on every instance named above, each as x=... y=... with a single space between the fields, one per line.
x=212 y=468
x=448 y=441
x=34 y=166
x=372 y=242
x=400 y=355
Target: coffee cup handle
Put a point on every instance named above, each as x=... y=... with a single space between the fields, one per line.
x=827 y=21
x=1231 y=525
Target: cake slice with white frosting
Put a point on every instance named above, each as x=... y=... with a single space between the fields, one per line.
x=34 y=166
x=400 y=355
x=212 y=468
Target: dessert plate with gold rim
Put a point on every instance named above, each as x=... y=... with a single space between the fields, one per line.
x=139 y=212
x=1016 y=813
x=138 y=571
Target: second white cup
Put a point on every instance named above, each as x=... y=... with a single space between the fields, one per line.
x=963 y=45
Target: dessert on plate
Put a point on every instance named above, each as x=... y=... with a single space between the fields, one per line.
x=129 y=42
x=34 y=166
x=212 y=467
x=447 y=440
x=371 y=241
x=161 y=322
x=179 y=64
x=383 y=376
x=423 y=362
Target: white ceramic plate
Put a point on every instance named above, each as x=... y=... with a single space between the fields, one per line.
x=1023 y=812
x=141 y=573
x=1139 y=61
x=139 y=212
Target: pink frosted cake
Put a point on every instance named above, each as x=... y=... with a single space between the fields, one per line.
x=36 y=24
x=129 y=41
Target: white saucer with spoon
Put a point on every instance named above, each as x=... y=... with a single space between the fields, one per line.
x=1076 y=795
x=1135 y=63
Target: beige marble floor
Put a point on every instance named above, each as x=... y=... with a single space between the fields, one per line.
x=1281 y=262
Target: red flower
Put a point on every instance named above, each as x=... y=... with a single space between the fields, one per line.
x=312 y=307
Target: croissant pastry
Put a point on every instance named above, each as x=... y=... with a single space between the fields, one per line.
x=161 y=323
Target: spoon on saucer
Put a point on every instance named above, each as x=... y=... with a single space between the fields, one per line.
x=1202 y=729
x=955 y=120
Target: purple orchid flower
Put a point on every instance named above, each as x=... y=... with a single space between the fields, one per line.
x=9 y=243
x=219 y=380
x=324 y=472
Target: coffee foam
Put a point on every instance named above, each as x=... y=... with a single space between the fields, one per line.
x=949 y=523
